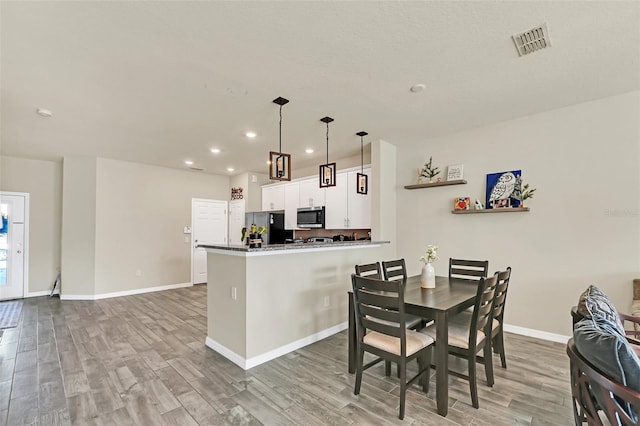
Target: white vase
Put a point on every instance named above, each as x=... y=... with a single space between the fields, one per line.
x=428 y=278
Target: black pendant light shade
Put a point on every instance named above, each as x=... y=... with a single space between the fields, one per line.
x=328 y=170
x=279 y=162
x=362 y=184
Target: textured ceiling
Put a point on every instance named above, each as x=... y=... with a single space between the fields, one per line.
x=161 y=82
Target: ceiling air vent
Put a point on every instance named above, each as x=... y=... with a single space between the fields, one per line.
x=532 y=40
x=196 y=169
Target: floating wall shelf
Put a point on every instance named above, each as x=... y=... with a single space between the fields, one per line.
x=430 y=185
x=503 y=210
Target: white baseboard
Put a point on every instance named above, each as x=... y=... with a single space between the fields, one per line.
x=40 y=293
x=529 y=332
x=246 y=364
x=122 y=293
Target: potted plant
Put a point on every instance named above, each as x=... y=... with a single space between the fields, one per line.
x=523 y=192
x=429 y=171
x=254 y=233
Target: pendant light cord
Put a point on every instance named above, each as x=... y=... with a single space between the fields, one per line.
x=280 y=134
x=361 y=156
x=327 y=143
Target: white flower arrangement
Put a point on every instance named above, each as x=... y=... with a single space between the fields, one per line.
x=430 y=255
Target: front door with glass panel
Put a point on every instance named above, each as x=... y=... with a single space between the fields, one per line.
x=13 y=210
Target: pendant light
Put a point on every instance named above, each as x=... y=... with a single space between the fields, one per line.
x=362 y=180
x=279 y=162
x=328 y=170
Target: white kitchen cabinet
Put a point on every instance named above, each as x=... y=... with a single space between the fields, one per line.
x=291 y=200
x=336 y=211
x=311 y=195
x=273 y=197
x=345 y=208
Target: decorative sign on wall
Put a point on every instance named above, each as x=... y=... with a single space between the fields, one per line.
x=236 y=193
x=455 y=172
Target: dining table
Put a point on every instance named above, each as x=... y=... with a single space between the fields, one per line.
x=449 y=297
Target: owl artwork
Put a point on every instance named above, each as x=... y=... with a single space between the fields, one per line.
x=502 y=187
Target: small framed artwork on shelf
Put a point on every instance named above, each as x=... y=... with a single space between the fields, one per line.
x=455 y=172
x=461 y=203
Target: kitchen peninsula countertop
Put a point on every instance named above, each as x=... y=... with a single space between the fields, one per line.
x=243 y=248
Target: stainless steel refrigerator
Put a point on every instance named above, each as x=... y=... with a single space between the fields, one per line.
x=273 y=221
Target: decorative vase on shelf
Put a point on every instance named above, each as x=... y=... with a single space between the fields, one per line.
x=428 y=278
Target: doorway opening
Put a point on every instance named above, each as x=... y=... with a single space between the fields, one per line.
x=14 y=239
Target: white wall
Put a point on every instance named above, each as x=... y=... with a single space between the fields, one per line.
x=140 y=214
x=78 y=226
x=43 y=181
x=583 y=227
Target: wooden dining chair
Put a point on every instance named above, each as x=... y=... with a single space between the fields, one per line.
x=379 y=309
x=373 y=270
x=497 y=322
x=471 y=270
x=466 y=339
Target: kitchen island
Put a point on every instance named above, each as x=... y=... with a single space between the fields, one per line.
x=265 y=302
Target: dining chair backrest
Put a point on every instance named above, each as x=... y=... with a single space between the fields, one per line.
x=483 y=310
x=370 y=270
x=394 y=269
x=471 y=270
x=497 y=326
x=379 y=306
x=501 y=293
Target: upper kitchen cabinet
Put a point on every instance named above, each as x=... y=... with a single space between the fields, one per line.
x=273 y=197
x=291 y=200
x=345 y=208
x=311 y=195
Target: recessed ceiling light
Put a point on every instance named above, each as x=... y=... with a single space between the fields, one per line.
x=418 y=88
x=188 y=162
x=44 y=112
x=251 y=134
x=309 y=151
x=230 y=169
x=215 y=150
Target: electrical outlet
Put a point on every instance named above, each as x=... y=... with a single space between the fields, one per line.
x=138 y=273
x=186 y=239
x=234 y=293
x=327 y=301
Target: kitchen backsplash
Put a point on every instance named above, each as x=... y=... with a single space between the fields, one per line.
x=348 y=233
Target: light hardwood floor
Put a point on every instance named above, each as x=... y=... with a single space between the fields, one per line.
x=142 y=360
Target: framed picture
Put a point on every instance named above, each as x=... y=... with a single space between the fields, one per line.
x=455 y=172
x=461 y=203
x=503 y=189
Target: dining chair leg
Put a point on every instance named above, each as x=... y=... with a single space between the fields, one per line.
x=488 y=362
x=426 y=364
x=403 y=386
x=473 y=386
x=500 y=345
x=387 y=368
x=359 y=366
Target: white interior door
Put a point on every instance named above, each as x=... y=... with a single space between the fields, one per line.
x=14 y=210
x=236 y=221
x=209 y=226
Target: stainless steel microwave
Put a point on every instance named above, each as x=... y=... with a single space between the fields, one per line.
x=311 y=217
